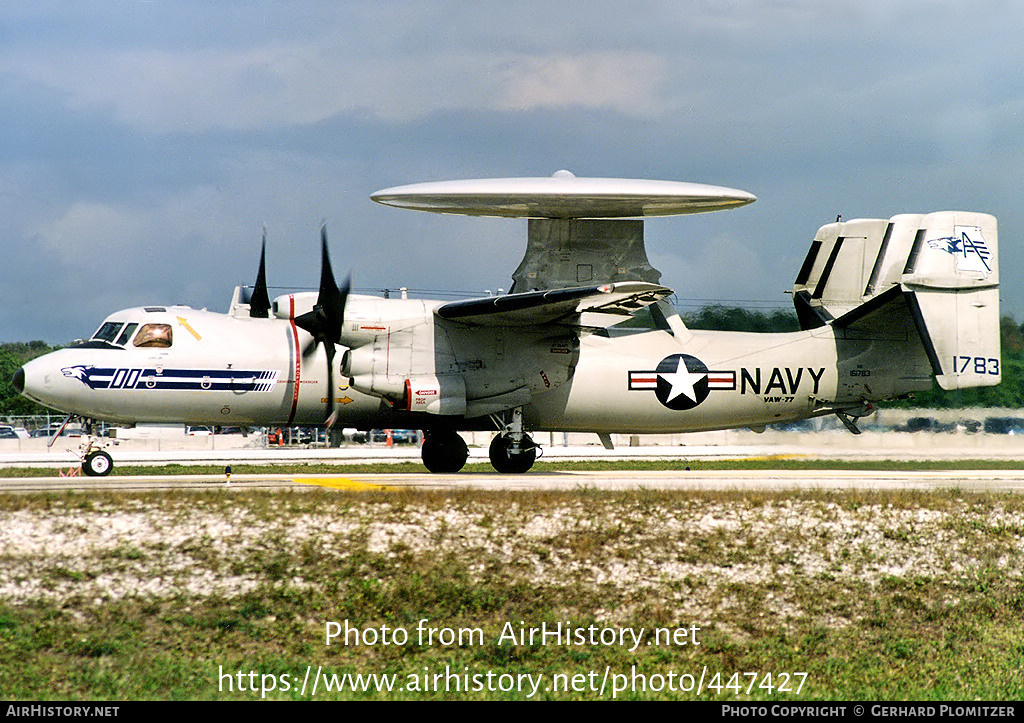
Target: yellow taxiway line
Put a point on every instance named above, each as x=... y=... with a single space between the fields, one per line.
x=340 y=483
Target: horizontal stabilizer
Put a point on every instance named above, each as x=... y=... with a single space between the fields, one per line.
x=543 y=307
x=851 y=262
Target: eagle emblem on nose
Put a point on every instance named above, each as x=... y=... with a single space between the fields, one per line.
x=80 y=372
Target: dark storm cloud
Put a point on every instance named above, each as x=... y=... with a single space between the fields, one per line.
x=145 y=143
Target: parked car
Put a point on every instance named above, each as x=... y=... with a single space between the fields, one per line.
x=357 y=436
x=926 y=424
x=69 y=431
x=404 y=436
x=969 y=426
x=295 y=435
x=232 y=430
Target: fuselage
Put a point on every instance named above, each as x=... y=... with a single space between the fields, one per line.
x=180 y=365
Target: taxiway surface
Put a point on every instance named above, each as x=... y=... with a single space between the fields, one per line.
x=874 y=480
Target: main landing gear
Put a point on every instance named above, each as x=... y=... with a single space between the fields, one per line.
x=512 y=450
x=444 y=451
x=509 y=458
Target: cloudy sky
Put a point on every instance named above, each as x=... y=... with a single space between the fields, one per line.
x=143 y=145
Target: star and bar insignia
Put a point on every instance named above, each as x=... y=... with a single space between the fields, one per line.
x=681 y=381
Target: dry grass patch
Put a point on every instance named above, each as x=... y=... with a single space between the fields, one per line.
x=165 y=587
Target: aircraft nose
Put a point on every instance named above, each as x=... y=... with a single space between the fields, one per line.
x=19 y=380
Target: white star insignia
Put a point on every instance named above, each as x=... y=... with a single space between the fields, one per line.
x=681 y=381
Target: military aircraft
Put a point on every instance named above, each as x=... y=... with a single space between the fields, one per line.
x=586 y=339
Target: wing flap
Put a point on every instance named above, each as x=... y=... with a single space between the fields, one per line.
x=545 y=307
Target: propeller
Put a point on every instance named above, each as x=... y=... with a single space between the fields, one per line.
x=325 y=320
x=259 y=303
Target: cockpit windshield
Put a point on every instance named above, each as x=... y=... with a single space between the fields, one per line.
x=108 y=332
x=129 y=329
x=118 y=334
x=115 y=333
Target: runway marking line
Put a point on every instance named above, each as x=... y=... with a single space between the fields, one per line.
x=340 y=483
x=768 y=457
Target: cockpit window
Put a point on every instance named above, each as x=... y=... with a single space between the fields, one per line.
x=126 y=334
x=154 y=335
x=108 y=332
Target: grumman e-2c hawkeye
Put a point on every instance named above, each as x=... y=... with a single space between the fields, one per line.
x=586 y=340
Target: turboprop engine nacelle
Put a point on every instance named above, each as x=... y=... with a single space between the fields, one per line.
x=371 y=318
x=290 y=306
x=362 y=361
x=392 y=355
x=429 y=393
x=367 y=368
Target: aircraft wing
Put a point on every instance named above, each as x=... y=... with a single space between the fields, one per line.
x=543 y=307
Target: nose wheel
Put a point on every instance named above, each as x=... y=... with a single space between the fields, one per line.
x=97 y=464
x=95 y=461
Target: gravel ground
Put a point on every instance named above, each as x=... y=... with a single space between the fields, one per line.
x=698 y=557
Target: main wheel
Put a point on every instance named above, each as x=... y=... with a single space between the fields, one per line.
x=444 y=452
x=97 y=464
x=504 y=460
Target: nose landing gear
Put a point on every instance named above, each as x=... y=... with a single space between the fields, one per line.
x=95 y=461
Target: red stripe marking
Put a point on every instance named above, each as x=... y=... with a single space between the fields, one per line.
x=298 y=360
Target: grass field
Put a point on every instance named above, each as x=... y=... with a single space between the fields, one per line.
x=186 y=595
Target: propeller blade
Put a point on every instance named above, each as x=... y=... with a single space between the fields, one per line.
x=331 y=416
x=259 y=304
x=324 y=321
x=331 y=299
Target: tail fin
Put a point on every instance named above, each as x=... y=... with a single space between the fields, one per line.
x=942 y=266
